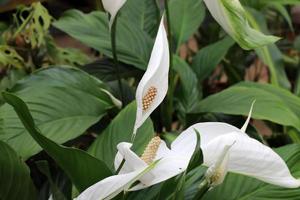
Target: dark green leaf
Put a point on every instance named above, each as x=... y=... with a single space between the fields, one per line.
x=189 y=95
x=208 y=58
x=83 y=169
x=133 y=44
x=105 y=70
x=15 y=177
x=144 y=14
x=272 y=103
x=120 y=130
x=197 y=158
x=55 y=192
x=64 y=102
x=186 y=17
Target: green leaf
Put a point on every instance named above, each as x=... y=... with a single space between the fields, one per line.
x=64 y=102
x=105 y=70
x=270 y=54
x=197 y=158
x=15 y=177
x=144 y=14
x=186 y=17
x=245 y=188
x=208 y=58
x=272 y=103
x=172 y=189
x=55 y=192
x=133 y=44
x=189 y=95
x=83 y=169
x=120 y=130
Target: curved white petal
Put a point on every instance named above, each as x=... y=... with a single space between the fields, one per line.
x=132 y=161
x=166 y=168
x=112 y=6
x=233 y=18
x=208 y=131
x=155 y=76
x=109 y=187
x=251 y=158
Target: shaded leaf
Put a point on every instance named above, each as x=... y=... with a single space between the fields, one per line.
x=186 y=17
x=272 y=103
x=53 y=96
x=133 y=44
x=120 y=130
x=15 y=177
x=83 y=169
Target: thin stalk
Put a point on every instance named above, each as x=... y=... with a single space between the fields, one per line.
x=99 y=5
x=115 y=57
x=167 y=109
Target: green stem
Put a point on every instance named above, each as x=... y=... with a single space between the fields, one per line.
x=167 y=109
x=115 y=57
x=202 y=189
x=99 y=5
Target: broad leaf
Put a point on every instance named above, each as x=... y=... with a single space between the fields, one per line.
x=83 y=169
x=64 y=102
x=120 y=130
x=188 y=94
x=144 y=14
x=208 y=58
x=133 y=44
x=272 y=103
x=105 y=70
x=15 y=177
x=186 y=17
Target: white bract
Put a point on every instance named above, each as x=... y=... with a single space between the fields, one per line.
x=153 y=86
x=227 y=148
x=231 y=15
x=167 y=164
x=113 y=6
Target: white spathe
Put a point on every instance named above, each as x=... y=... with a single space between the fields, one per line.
x=113 y=7
x=246 y=156
x=155 y=76
x=232 y=17
x=170 y=162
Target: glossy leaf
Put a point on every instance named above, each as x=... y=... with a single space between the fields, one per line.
x=186 y=17
x=15 y=177
x=133 y=44
x=53 y=96
x=144 y=14
x=208 y=58
x=188 y=95
x=272 y=103
x=83 y=169
x=120 y=130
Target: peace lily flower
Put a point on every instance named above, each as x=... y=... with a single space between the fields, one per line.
x=168 y=163
x=226 y=148
x=112 y=6
x=153 y=86
x=231 y=15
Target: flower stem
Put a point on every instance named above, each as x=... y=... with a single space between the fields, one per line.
x=115 y=57
x=202 y=189
x=167 y=109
